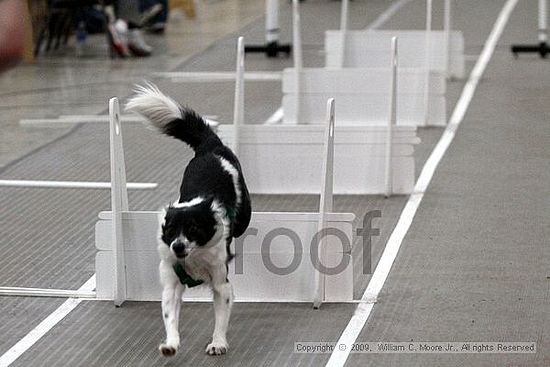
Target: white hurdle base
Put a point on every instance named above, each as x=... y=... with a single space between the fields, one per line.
x=255 y=283
x=370 y=48
x=287 y=159
x=363 y=96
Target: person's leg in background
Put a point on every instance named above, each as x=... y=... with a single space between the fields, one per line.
x=125 y=31
x=129 y=10
x=158 y=22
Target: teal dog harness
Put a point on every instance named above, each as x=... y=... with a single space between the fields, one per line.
x=185 y=278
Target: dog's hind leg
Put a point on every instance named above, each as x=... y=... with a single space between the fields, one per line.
x=171 y=305
x=223 y=301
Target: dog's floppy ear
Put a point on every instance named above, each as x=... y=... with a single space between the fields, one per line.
x=164 y=210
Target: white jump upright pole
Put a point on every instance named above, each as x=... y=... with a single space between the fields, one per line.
x=119 y=201
x=344 y=17
x=447 y=34
x=325 y=202
x=238 y=106
x=388 y=178
x=543 y=22
x=271 y=21
x=427 y=64
x=542 y=47
x=298 y=60
x=272 y=47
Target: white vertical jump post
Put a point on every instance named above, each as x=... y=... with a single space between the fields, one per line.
x=388 y=179
x=272 y=46
x=343 y=30
x=428 y=40
x=298 y=60
x=119 y=200
x=238 y=107
x=447 y=34
x=271 y=21
x=325 y=203
x=542 y=48
x=543 y=22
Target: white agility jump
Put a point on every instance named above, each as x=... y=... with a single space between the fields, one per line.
x=273 y=262
x=253 y=279
x=286 y=159
x=362 y=92
x=369 y=48
x=444 y=50
x=363 y=96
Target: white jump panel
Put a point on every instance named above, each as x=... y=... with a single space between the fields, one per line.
x=371 y=48
x=363 y=96
x=253 y=281
x=283 y=159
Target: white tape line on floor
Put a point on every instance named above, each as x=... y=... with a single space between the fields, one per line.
x=46 y=325
x=363 y=311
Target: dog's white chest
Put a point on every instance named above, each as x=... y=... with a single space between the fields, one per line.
x=197 y=270
x=201 y=262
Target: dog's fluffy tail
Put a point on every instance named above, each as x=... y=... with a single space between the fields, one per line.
x=167 y=116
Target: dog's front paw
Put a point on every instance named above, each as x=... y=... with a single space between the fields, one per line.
x=217 y=348
x=168 y=350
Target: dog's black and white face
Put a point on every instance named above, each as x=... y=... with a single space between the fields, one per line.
x=191 y=225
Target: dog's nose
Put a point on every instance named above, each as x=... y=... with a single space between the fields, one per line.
x=178 y=248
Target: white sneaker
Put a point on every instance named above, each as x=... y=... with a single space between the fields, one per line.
x=137 y=45
x=118 y=32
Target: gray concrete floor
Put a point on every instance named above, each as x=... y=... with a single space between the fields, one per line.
x=474 y=265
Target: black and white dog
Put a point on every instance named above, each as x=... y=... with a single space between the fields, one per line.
x=213 y=208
